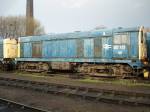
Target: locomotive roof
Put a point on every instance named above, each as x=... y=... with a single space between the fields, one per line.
x=78 y=35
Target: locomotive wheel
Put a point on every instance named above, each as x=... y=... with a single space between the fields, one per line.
x=122 y=70
x=44 y=66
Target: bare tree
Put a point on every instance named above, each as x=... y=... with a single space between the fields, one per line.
x=14 y=27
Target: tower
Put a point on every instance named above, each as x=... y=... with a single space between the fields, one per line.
x=29 y=18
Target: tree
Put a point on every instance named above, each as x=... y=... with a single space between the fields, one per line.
x=15 y=26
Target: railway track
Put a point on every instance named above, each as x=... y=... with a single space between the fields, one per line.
x=17 y=107
x=87 y=93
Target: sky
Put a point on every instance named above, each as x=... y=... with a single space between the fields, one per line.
x=59 y=16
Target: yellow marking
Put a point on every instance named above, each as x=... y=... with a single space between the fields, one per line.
x=19 y=48
x=10 y=48
x=146 y=74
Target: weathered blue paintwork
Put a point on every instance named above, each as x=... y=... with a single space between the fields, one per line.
x=133 y=45
x=148 y=45
x=121 y=51
x=132 y=29
x=107 y=47
x=59 y=48
x=88 y=48
x=27 y=50
x=64 y=36
x=96 y=46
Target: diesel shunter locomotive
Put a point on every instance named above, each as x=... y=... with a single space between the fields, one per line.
x=114 y=52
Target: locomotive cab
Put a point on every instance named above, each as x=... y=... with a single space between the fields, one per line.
x=144 y=48
x=9 y=53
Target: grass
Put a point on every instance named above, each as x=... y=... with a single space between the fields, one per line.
x=125 y=82
x=30 y=74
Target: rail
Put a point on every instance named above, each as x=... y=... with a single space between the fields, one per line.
x=19 y=107
x=94 y=94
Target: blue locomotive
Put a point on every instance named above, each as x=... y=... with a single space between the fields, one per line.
x=114 y=52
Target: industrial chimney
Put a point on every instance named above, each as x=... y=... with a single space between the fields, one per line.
x=29 y=18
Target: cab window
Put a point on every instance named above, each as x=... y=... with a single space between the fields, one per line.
x=121 y=38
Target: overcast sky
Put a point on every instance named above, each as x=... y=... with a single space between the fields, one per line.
x=75 y=15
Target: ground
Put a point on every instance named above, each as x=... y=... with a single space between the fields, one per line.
x=122 y=85
x=69 y=104
x=63 y=104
